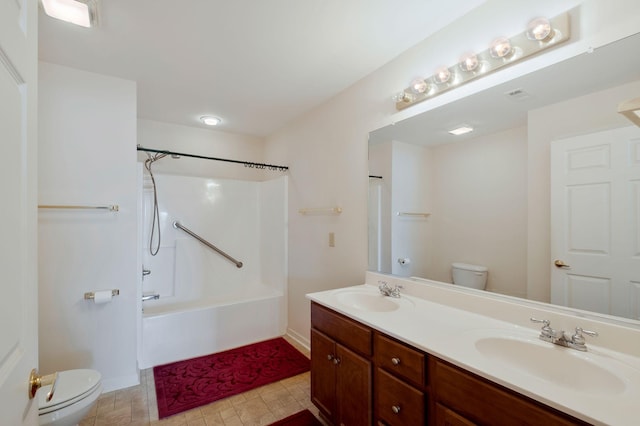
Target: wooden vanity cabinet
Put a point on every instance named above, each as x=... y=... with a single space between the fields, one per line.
x=462 y=398
x=341 y=369
x=361 y=377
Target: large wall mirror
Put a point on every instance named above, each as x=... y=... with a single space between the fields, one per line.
x=487 y=198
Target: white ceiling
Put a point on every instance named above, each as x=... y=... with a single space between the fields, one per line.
x=257 y=64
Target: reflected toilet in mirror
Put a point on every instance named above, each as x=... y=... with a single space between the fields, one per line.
x=471 y=276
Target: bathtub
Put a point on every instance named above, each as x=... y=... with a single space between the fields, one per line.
x=206 y=304
x=173 y=332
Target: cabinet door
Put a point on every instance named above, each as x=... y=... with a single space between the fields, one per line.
x=353 y=388
x=446 y=417
x=323 y=374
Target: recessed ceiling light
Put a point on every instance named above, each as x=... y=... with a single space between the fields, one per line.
x=210 y=120
x=78 y=12
x=461 y=130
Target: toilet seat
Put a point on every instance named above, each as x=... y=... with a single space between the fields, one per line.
x=72 y=386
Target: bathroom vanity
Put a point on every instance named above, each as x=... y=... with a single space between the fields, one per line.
x=377 y=360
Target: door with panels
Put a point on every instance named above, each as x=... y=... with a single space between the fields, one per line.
x=595 y=222
x=18 y=215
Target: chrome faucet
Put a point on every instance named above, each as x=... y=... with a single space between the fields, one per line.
x=387 y=290
x=562 y=338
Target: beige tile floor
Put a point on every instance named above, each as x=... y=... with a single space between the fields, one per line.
x=137 y=406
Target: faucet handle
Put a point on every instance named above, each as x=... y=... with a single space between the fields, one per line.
x=546 y=322
x=578 y=338
x=547 y=331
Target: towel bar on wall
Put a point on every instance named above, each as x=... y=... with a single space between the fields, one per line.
x=112 y=208
x=330 y=210
x=91 y=295
x=413 y=214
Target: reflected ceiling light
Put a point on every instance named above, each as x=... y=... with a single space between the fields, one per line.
x=79 y=12
x=461 y=130
x=210 y=120
x=539 y=35
x=501 y=48
x=540 y=29
x=631 y=110
x=442 y=75
x=469 y=62
x=419 y=86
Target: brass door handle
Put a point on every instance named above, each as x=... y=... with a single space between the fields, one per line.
x=36 y=382
x=560 y=264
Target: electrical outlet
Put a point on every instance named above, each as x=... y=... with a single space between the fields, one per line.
x=332 y=239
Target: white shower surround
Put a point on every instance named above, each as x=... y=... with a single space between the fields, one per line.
x=206 y=303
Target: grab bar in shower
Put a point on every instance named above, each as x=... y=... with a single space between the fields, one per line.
x=177 y=225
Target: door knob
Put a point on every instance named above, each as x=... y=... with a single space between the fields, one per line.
x=560 y=264
x=36 y=382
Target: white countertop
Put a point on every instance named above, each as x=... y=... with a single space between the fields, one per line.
x=448 y=332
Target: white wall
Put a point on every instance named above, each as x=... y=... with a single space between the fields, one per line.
x=327 y=147
x=480 y=209
x=411 y=193
x=245 y=219
x=87 y=138
x=405 y=187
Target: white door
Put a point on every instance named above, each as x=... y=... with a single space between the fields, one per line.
x=18 y=212
x=595 y=222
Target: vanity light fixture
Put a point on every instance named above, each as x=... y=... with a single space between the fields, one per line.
x=210 y=120
x=539 y=35
x=464 y=129
x=79 y=12
x=631 y=110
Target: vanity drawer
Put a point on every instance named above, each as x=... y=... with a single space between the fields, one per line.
x=483 y=402
x=400 y=359
x=344 y=330
x=397 y=403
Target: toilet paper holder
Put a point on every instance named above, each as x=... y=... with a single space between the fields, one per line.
x=91 y=295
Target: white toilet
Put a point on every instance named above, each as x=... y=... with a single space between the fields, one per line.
x=75 y=394
x=472 y=276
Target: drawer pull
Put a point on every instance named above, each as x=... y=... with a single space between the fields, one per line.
x=336 y=360
x=329 y=357
x=395 y=361
x=395 y=409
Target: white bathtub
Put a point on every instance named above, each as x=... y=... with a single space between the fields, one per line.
x=190 y=329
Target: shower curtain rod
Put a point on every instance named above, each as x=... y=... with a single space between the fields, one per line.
x=245 y=163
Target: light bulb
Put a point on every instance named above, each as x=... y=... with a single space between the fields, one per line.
x=403 y=97
x=419 y=86
x=501 y=48
x=469 y=62
x=442 y=75
x=540 y=29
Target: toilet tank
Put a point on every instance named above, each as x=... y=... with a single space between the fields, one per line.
x=466 y=275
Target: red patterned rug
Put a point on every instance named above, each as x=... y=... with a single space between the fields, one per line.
x=188 y=384
x=302 y=418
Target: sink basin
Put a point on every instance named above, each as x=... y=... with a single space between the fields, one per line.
x=365 y=301
x=568 y=368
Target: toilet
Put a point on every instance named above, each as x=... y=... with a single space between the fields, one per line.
x=75 y=394
x=472 y=276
